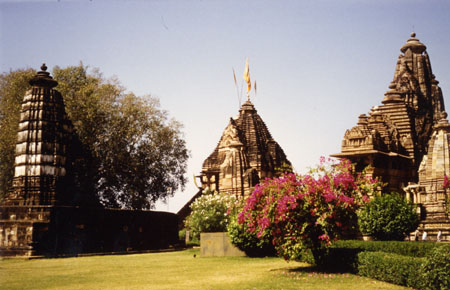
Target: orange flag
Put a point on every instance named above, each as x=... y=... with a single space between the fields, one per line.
x=247 y=77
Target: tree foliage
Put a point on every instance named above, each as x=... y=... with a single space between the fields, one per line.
x=388 y=217
x=307 y=211
x=133 y=153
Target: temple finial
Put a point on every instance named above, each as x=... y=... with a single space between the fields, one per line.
x=414 y=44
x=43 y=78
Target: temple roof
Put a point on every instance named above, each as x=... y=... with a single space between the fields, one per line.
x=261 y=150
x=43 y=78
x=414 y=44
x=403 y=123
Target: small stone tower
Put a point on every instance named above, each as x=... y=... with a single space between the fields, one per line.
x=246 y=153
x=42 y=140
x=41 y=162
x=49 y=211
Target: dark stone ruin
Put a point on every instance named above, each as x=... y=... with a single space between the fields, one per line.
x=45 y=213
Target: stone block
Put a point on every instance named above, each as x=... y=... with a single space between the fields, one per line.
x=218 y=245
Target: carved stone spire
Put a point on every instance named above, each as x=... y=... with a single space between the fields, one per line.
x=395 y=137
x=42 y=138
x=434 y=168
x=245 y=154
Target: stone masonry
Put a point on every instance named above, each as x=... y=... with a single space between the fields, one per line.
x=405 y=139
x=393 y=137
x=246 y=154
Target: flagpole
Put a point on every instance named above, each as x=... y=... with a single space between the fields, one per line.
x=237 y=89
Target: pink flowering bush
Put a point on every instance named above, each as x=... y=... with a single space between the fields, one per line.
x=309 y=211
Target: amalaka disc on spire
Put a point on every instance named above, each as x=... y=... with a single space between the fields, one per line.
x=43 y=78
x=414 y=44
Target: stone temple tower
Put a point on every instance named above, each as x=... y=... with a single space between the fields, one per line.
x=49 y=211
x=42 y=140
x=393 y=137
x=246 y=153
x=41 y=163
x=430 y=193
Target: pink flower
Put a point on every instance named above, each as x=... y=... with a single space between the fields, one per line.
x=446 y=182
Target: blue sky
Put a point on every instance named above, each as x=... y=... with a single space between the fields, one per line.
x=318 y=64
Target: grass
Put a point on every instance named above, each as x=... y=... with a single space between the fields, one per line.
x=173 y=270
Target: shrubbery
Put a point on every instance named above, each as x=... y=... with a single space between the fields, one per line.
x=413 y=264
x=435 y=271
x=308 y=211
x=388 y=217
x=210 y=213
x=249 y=242
x=412 y=249
x=397 y=269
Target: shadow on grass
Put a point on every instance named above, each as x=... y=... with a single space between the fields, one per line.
x=313 y=269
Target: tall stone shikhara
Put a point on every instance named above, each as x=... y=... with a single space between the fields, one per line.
x=47 y=211
x=393 y=137
x=405 y=140
x=246 y=153
x=43 y=137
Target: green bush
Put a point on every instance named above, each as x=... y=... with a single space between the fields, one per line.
x=341 y=260
x=406 y=248
x=388 y=217
x=209 y=213
x=435 y=271
x=249 y=242
x=413 y=264
x=392 y=268
x=182 y=235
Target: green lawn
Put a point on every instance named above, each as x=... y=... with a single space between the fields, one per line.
x=173 y=270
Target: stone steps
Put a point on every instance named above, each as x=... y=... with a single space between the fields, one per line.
x=432 y=227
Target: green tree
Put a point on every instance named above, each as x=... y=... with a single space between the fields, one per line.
x=133 y=153
x=388 y=217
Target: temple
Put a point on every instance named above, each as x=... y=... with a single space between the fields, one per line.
x=402 y=140
x=246 y=154
x=431 y=193
x=46 y=212
x=393 y=137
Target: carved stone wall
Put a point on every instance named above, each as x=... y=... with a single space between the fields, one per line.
x=430 y=193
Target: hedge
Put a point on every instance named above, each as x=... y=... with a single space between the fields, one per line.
x=405 y=248
x=414 y=264
x=392 y=268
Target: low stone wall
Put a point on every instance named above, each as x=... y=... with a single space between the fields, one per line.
x=218 y=245
x=58 y=230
